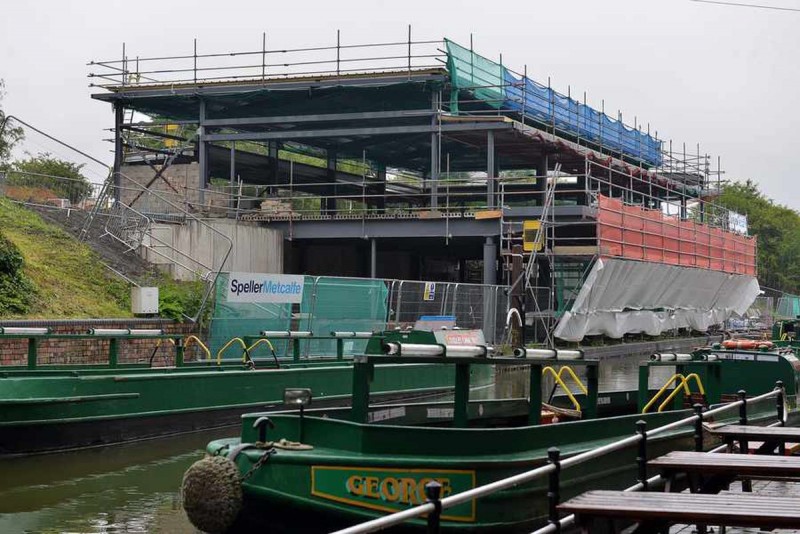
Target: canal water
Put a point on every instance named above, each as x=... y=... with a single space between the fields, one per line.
x=135 y=488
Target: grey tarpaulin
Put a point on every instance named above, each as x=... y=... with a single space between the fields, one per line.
x=625 y=296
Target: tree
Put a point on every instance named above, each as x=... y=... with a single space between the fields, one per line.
x=52 y=175
x=778 y=230
x=10 y=135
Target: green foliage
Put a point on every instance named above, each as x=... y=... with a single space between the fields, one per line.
x=778 y=231
x=69 y=279
x=16 y=290
x=179 y=300
x=63 y=178
x=9 y=135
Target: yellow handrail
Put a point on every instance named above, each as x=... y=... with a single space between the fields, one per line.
x=258 y=342
x=560 y=382
x=575 y=378
x=667 y=384
x=228 y=344
x=158 y=344
x=686 y=386
x=198 y=342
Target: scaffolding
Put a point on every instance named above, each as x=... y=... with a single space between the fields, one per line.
x=416 y=141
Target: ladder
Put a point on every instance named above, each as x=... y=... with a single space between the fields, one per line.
x=511 y=234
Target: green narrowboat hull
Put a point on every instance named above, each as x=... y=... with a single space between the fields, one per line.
x=356 y=472
x=57 y=409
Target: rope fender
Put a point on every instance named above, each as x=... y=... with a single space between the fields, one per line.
x=211 y=492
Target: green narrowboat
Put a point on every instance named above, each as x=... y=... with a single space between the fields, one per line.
x=320 y=470
x=47 y=408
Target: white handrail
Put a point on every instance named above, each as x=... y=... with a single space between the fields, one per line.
x=493 y=487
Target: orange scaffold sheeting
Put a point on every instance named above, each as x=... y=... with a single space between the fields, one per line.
x=638 y=233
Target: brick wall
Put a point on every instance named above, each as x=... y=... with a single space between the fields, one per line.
x=85 y=351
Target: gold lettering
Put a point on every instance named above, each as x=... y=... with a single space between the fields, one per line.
x=371 y=484
x=355 y=485
x=409 y=491
x=390 y=489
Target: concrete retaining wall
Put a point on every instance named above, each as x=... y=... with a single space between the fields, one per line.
x=200 y=249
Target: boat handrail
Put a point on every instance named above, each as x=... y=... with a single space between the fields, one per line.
x=199 y=343
x=228 y=344
x=686 y=387
x=680 y=380
x=571 y=372
x=560 y=382
x=434 y=507
x=258 y=342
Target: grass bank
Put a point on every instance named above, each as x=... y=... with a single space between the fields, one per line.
x=69 y=280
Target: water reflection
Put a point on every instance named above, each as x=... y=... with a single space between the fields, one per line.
x=135 y=488
x=126 y=488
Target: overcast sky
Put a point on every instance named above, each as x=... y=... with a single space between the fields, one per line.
x=726 y=77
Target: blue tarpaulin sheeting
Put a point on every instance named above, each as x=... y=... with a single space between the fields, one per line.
x=501 y=89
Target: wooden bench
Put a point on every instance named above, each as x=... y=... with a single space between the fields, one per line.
x=655 y=512
x=772 y=436
x=711 y=473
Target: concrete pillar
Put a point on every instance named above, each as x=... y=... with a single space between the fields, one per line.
x=490 y=170
x=373 y=258
x=119 y=114
x=489 y=261
x=489 y=293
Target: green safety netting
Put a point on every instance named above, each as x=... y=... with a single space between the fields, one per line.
x=329 y=304
x=474 y=73
x=342 y=304
x=238 y=319
x=494 y=85
x=788 y=307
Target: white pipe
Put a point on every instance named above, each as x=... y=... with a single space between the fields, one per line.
x=414 y=349
x=466 y=350
x=23 y=330
x=109 y=331
x=284 y=333
x=352 y=334
x=145 y=332
x=671 y=357
x=548 y=354
x=535 y=354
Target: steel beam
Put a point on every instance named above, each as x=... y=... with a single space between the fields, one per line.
x=490 y=169
x=352 y=132
x=119 y=111
x=193 y=90
x=373 y=258
x=293 y=119
x=232 y=201
x=389 y=228
x=203 y=153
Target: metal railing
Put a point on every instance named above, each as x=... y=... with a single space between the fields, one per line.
x=434 y=507
x=475 y=98
x=265 y=64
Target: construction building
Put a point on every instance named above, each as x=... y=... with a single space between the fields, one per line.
x=423 y=160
